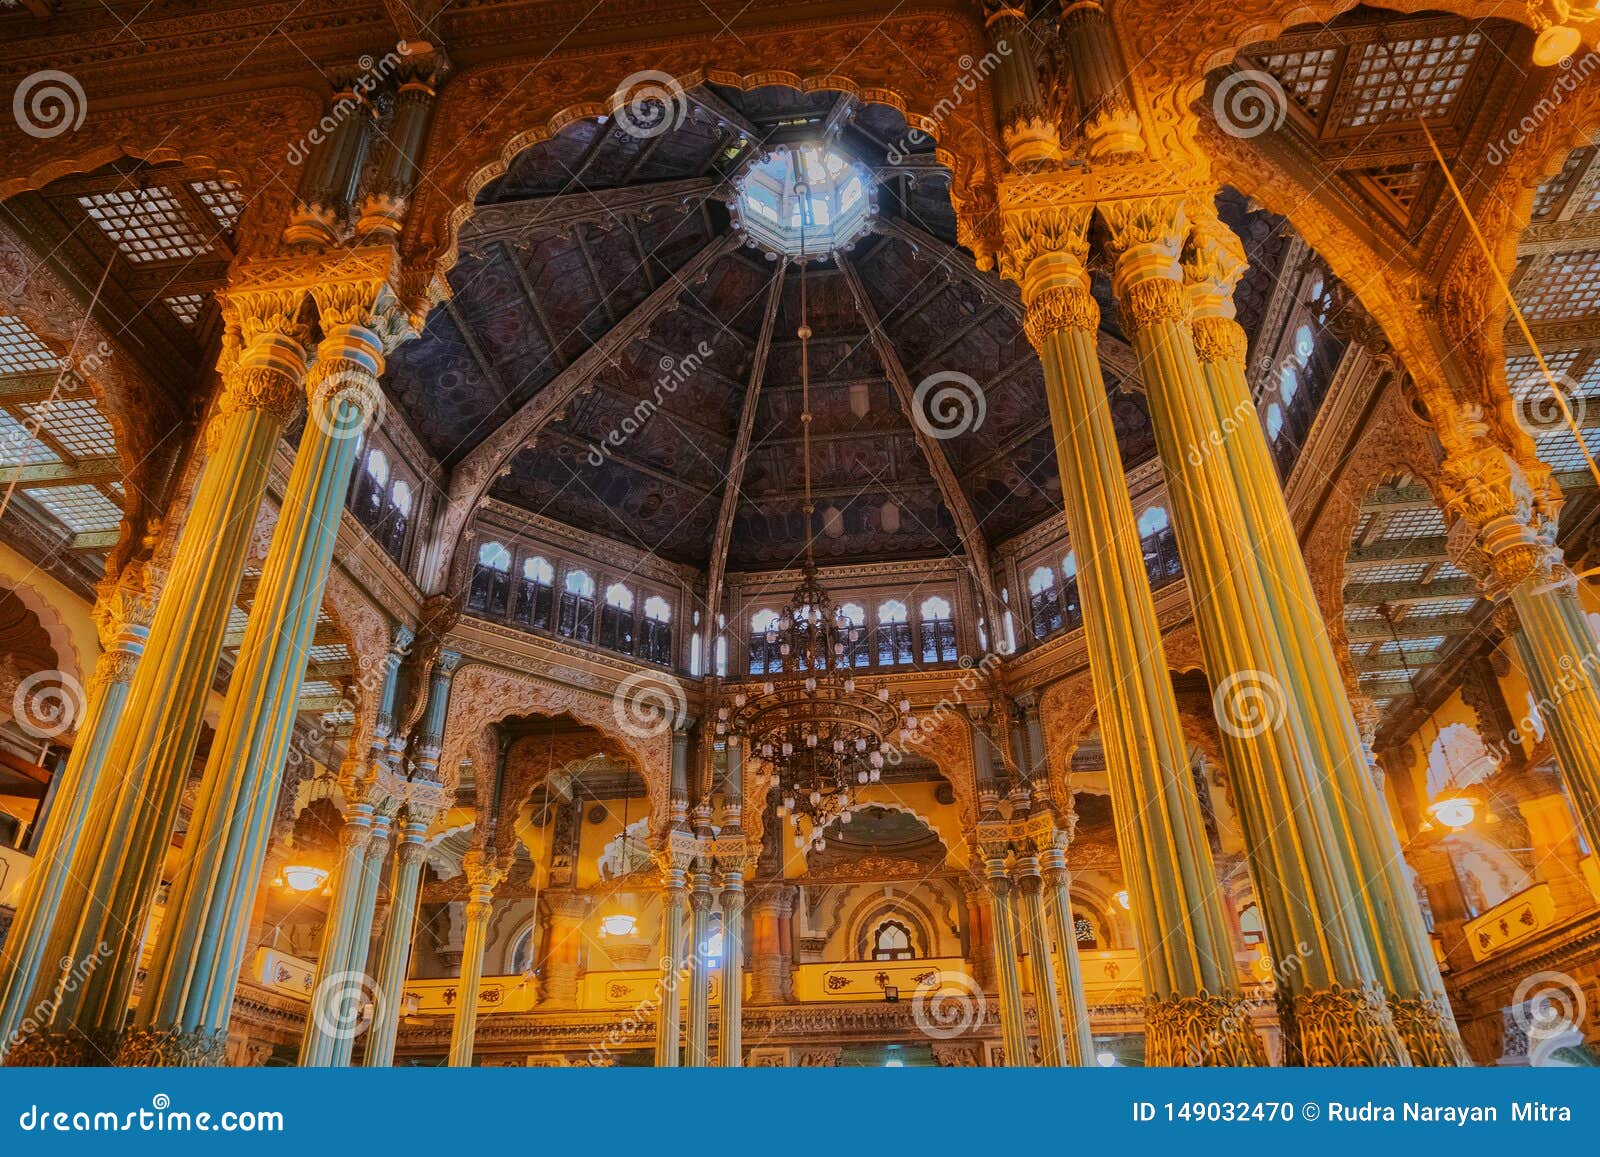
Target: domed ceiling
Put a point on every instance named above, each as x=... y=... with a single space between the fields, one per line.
x=603 y=276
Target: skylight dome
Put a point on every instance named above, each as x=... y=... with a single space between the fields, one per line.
x=812 y=187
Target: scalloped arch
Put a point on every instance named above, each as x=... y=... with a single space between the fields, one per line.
x=62 y=641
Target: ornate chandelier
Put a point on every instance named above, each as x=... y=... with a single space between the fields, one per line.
x=812 y=731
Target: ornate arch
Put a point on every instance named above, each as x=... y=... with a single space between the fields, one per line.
x=944 y=736
x=873 y=910
x=246 y=138
x=490 y=113
x=140 y=414
x=74 y=663
x=1068 y=713
x=367 y=633
x=1394 y=445
x=481 y=696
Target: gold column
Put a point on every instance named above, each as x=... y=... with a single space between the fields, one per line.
x=730 y=1039
x=1310 y=896
x=1191 y=981
x=395 y=954
x=1047 y=1005
x=564 y=915
x=1077 y=1038
x=483 y=877
x=675 y=895
x=122 y=613
x=1315 y=692
x=1013 y=1025
x=112 y=879
x=699 y=1055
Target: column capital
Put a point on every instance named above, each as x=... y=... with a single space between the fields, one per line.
x=1042 y=242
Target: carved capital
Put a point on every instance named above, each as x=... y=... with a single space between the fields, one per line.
x=1060 y=308
x=1152 y=301
x=1033 y=228
x=1219 y=339
x=1160 y=223
x=1203 y=1030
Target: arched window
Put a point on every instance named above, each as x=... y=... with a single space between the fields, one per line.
x=1044 y=602
x=655 y=633
x=1288 y=385
x=378 y=468
x=1087 y=935
x=491 y=581
x=577 y=607
x=1274 y=422
x=1304 y=343
x=938 y=631
x=697 y=662
x=858 y=651
x=536 y=592
x=892 y=941
x=1160 y=547
x=393 y=536
x=616 y=619
x=522 y=951
x=1071 y=609
x=894 y=634
x=722 y=655
x=1250 y=925
x=764 y=655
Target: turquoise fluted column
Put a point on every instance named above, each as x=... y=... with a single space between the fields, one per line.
x=122 y=616
x=699 y=1055
x=183 y=1014
x=674 y=896
x=361 y=939
x=116 y=867
x=730 y=1040
x=329 y=1019
x=1036 y=938
x=1013 y=1025
x=395 y=954
x=1076 y=1037
x=483 y=876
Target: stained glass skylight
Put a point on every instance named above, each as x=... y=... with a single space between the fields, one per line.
x=813 y=189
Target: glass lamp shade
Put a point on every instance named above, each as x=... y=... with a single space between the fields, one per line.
x=304 y=877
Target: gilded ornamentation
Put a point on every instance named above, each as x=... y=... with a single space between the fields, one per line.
x=263 y=389
x=1152 y=301
x=1428 y=1032
x=1338 y=1026
x=1219 y=339
x=1031 y=229
x=161 y=1049
x=1060 y=308
x=1206 y=1030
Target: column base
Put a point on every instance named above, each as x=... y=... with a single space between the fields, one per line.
x=63 y=1050
x=144 y=1048
x=1338 y=1027
x=1428 y=1032
x=1203 y=1031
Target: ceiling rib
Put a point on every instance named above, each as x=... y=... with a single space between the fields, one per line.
x=472 y=473
x=741 y=445
x=972 y=541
